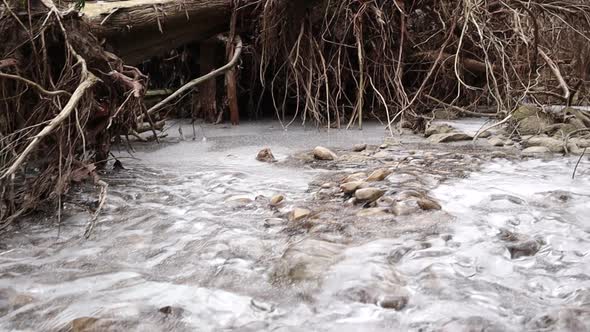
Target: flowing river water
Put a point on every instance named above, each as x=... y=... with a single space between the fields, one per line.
x=187 y=242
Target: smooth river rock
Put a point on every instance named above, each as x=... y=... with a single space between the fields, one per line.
x=299 y=213
x=496 y=141
x=238 y=201
x=359 y=147
x=438 y=129
x=378 y=175
x=449 y=137
x=322 y=153
x=277 y=200
x=553 y=144
x=351 y=187
x=368 y=194
x=360 y=176
x=428 y=204
x=535 y=150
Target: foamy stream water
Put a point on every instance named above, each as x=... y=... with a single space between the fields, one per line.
x=176 y=232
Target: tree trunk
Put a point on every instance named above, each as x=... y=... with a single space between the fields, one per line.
x=207 y=91
x=139 y=29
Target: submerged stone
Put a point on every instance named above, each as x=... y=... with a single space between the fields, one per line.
x=535 y=150
x=372 y=212
x=238 y=201
x=360 y=176
x=299 y=213
x=84 y=324
x=449 y=137
x=524 y=248
x=397 y=302
x=379 y=175
x=265 y=155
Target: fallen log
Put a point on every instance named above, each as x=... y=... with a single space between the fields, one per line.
x=138 y=29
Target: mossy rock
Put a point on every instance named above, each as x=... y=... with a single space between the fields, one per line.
x=533 y=125
x=526 y=111
x=577 y=117
x=563 y=129
x=531 y=120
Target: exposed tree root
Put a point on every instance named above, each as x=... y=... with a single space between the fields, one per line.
x=62 y=97
x=332 y=60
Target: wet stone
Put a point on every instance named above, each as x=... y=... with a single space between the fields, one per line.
x=238 y=201
x=277 y=200
x=406 y=207
x=359 y=147
x=368 y=194
x=385 y=201
x=399 y=178
x=360 y=176
x=262 y=306
x=428 y=204
x=554 y=145
x=523 y=249
x=496 y=141
x=372 y=212
x=171 y=311
x=351 y=187
x=84 y=324
x=383 y=155
x=508 y=236
x=322 y=153
x=535 y=150
x=485 y=134
x=298 y=214
x=397 y=302
x=20 y=300
x=449 y=137
x=510 y=198
x=378 y=175
x=446 y=237
x=265 y=155
x=438 y=129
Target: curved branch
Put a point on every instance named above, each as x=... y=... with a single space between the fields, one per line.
x=88 y=82
x=34 y=85
x=201 y=79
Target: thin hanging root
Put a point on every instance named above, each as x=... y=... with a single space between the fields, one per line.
x=466 y=54
x=101 y=200
x=384 y=105
x=578 y=163
x=34 y=85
